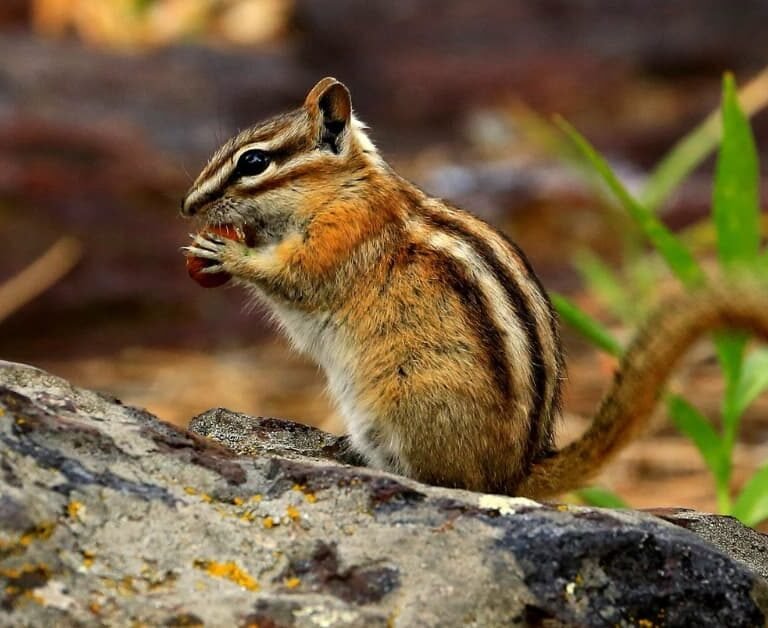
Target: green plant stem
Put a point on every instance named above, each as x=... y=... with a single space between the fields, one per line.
x=724 y=504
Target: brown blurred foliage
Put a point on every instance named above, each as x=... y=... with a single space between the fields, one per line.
x=137 y=24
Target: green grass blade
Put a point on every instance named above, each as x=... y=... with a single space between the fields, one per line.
x=753 y=380
x=694 y=148
x=605 y=284
x=751 y=506
x=676 y=255
x=690 y=422
x=736 y=215
x=593 y=330
x=681 y=160
x=735 y=205
x=601 y=497
x=730 y=353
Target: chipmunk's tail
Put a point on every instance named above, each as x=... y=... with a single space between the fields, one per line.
x=640 y=380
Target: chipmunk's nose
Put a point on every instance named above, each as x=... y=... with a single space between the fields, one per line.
x=195 y=202
x=188 y=208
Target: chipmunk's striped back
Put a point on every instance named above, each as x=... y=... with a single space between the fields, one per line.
x=439 y=343
x=516 y=322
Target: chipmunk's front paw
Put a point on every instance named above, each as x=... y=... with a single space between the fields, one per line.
x=221 y=254
x=208 y=247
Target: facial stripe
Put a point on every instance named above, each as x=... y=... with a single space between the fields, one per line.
x=284 y=135
x=220 y=177
x=286 y=138
x=293 y=169
x=218 y=173
x=519 y=303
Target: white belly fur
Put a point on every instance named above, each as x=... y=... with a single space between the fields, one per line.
x=320 y=339
x=314 y=335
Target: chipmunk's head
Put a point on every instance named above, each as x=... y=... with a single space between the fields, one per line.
x=271 y=174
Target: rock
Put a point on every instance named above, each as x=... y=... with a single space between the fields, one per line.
x=110 y=516
x=726 y=533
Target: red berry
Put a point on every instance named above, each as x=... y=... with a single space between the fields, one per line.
x=195 y=265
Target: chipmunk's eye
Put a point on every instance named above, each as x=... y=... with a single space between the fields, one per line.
x=252 y=162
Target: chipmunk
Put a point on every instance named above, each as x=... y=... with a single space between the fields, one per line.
x=440 y=345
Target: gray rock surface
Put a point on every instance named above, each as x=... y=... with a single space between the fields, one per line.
x=109 y=516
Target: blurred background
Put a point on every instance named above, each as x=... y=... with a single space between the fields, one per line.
x=109 y=108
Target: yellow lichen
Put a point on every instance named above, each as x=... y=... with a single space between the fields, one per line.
x=126 y=586
x=268 y=522
x=191 y=490
x=14 y=573
x=308 y=495
x=256 y=498
x=22 y=582
x=73 y=508
x=229 y=570
x=293 y=513
x=292 y=583
x=33 y=597
x=238 y=501
x=88 y=558
x=40 y=532
x=158 y=582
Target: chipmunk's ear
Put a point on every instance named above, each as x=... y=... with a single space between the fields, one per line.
x=330 y=104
